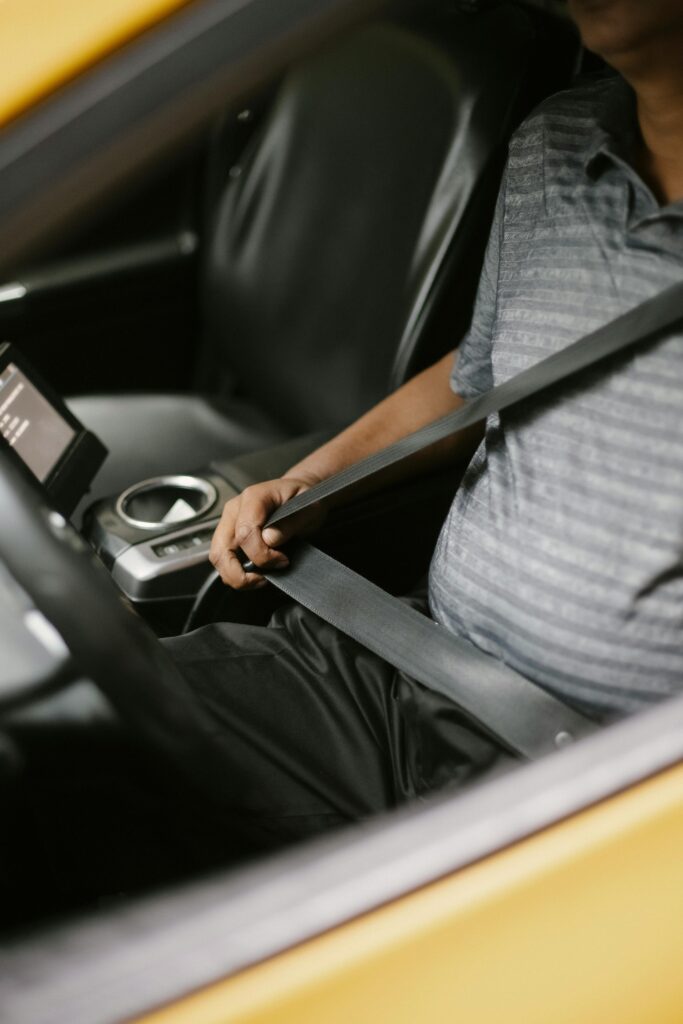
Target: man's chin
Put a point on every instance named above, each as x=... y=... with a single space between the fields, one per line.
x=613 y=28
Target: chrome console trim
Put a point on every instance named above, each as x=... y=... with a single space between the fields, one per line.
x=141 y=572
x=182 y=481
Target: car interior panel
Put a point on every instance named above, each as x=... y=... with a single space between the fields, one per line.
x=329 y=268
x=285 y=273
x=308 y=251
x=327 y=249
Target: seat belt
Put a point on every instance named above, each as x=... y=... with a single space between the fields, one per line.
x=518 y=713
x=642 y=323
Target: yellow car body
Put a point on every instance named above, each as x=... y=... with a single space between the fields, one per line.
x=576 y=921
x=42 y=46
x=581 y=923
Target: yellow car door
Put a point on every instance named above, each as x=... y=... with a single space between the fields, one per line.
x=554 y=893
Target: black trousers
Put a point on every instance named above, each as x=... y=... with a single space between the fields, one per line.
x=317 y=733
x=321 y=731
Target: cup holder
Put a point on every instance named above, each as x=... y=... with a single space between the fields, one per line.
x=166 y=501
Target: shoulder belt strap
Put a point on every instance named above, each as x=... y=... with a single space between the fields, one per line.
x=520 y=714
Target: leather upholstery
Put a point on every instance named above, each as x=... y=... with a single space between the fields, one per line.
x=151 y=435
x=362 y=201
x=327 y=247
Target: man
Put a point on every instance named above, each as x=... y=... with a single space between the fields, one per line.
x=562 y=552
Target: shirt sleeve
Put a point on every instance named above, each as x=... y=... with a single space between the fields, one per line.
x=473 y=372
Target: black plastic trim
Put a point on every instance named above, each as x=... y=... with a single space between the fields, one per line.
x=128 y=960
x=70 y=477
x=106 y=265
x=106 y=126
x=54 y=164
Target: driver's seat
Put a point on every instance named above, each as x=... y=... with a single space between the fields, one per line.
x=343 y=251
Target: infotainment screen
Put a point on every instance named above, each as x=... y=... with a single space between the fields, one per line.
x=30 y=424
x=43 y=434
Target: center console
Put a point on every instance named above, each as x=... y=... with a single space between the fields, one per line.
x=156 y=535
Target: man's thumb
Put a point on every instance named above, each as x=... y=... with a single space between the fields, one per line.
x=273 y=536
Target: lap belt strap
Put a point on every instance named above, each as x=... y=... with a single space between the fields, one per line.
x=519 y=713
x=516 y=712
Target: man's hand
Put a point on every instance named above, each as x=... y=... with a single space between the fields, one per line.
x=241 y=529
x=424 y=398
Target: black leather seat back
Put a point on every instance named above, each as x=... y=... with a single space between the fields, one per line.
x=327 y=252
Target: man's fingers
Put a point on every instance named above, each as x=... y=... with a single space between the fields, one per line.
x=240 y=535
x=249 y=539
x=273 y=536
x=224 y=533
x=297 y=526
x=231 y=571
x=256 y=505
x=229 y=568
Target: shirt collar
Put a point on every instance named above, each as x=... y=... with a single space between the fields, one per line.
x=613 y=143
x=616 y=130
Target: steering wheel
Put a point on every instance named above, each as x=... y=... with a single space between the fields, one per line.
x=109 y=642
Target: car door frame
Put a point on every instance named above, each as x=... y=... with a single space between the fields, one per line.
x=125 y=961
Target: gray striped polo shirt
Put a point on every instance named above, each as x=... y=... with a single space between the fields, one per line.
x=563 y=550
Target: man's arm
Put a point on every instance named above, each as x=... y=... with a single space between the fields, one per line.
x=426 y=397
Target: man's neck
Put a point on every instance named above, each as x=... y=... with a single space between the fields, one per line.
x=660 y=117
x=658 y=85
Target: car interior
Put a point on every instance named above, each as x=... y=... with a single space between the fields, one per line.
x=312 y=250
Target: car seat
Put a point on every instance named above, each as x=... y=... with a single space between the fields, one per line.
x=357 y=213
